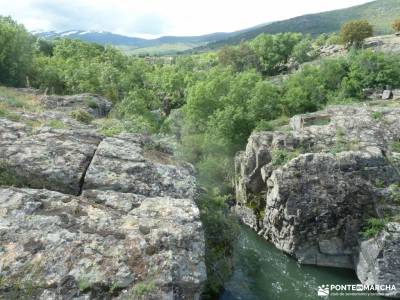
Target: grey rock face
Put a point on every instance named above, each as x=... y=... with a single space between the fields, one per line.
x=73 y=248
x=107 y=218
x=95 y=105
x=52 y=159
x=126 y=166
x=378 y=261
x=320 y=181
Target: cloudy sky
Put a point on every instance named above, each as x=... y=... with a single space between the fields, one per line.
x=152 y=18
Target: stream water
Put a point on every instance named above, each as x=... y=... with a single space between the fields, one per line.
x=264 y=273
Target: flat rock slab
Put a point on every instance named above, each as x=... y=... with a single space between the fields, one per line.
x=95 y=105
x=58 y=246
x=129 y=165
x=52 y=159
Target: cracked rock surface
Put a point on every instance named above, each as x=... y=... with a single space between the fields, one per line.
x=88 y=217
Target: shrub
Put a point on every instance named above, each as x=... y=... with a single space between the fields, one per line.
x=280 y=157
x=143 y=289
x=373 y=227
x=396 y=25
x=354 y=33
x=82 y=116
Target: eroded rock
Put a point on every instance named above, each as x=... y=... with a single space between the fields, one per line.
x=320 y=181
x=56 y=245
x=131 y=165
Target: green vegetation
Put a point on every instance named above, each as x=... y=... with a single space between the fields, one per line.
x=280 y=156
x=395 y=146
x=373 y=227
x=143 y=289
x=377 y=115
x=394 y=190
x=82 y=116
x=56 y=124
x=354 y=33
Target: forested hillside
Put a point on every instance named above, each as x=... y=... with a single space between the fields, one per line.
x=210 y=102
x=379 y=13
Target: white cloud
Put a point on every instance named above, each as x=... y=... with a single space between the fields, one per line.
x=160 y=17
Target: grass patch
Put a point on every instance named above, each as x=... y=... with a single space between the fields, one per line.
x=395 y=146
x=56 y=124
x=143 y=289
x=394 y=190
x=82 y=116
x=16 y=100
x=373 y=227
x=9 y=115
x=377 y=115
x=280 y=157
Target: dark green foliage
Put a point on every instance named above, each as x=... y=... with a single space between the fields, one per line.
x=16 y=52
x=221 y=230
x=82 y=116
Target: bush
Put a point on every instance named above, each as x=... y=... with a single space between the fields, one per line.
x=355 y=32
x=396 y=25
x=82 y=116
x=373 y=227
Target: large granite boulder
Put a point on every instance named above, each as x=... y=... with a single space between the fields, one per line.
x=93 y=104
x=313 y=185
x=50 y=158
x=57 y=246
x=130 y=164
x=88 y=217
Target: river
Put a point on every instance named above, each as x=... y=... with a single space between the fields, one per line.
x=264 y=273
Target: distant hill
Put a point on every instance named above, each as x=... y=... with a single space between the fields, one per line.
x=380 y=13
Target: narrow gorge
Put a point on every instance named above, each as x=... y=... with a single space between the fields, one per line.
x=325 y=189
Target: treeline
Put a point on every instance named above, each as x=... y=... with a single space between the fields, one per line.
x=222 y=97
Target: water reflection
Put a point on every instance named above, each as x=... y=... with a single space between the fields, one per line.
x=264 y=273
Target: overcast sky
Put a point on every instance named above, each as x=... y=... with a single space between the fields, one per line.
x=152 y=18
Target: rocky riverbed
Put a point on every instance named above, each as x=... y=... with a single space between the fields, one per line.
x=325 y=189
x=84 y=216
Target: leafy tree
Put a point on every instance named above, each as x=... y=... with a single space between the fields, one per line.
x=304 y=51
x=273 y=51
x=355 y=32
x=241 y=57
x=16 y=52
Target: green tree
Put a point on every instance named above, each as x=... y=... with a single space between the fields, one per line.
x=16 y=52
x=355 y=32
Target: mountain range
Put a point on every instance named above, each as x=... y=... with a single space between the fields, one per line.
x=380 y=13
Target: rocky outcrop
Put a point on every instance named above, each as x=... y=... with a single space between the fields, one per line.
x=89 y=217
x=95 y=105
x=313 y=186
x=127 y=164
x=55 y=245
x=378 y=261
